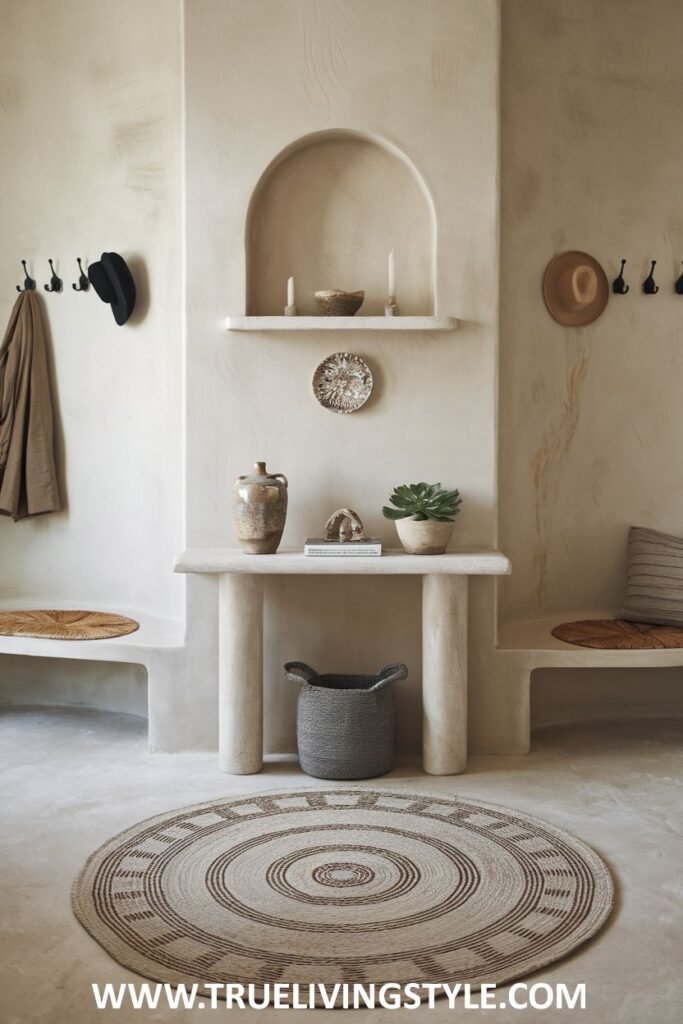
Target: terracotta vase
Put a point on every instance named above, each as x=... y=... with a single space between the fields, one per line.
x=426 y=537
x=260 y=510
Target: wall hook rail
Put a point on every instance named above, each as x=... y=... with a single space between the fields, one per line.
x=83 y=281
x=619 y=286
x=679 y=285
x=55 y=284
x=29 y=283
x=649 y=286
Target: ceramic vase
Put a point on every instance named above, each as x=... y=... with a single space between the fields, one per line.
x=426 y=537
x=260 y=510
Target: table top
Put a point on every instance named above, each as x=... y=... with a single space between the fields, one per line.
x=390 y=563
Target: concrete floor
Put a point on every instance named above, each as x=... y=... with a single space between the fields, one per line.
x=73 y=778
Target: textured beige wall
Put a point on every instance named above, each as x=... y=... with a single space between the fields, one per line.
x=259 y=76
x=91 y=130
x=90 y=684
x=90 y=123
x=603 y=694
x=90 y=133
x=590 y=419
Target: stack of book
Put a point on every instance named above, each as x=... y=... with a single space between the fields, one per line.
x=318 y=547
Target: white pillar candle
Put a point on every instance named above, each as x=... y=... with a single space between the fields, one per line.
x=392 y=274
x=290 y=291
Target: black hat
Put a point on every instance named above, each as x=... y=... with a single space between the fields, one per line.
x=113 y=282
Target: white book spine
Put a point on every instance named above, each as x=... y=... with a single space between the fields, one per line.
x=347 y=553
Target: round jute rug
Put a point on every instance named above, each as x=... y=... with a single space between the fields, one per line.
x=65 y=624
x=330 y=885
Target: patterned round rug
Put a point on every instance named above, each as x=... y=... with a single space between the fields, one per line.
x=333 y=885
x=65 y=624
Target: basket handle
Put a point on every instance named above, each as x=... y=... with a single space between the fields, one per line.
x=299 y=672
x=390 y=674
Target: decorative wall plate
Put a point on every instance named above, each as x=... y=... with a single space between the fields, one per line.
x=342 y=382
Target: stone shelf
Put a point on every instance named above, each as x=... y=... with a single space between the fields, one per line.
x=342 y=323
x=444 y=641
x=393 y=562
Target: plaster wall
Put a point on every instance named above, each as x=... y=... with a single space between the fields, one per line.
x=90 y=130
x=65 y=681
x=424 y=78
x=603 y=694
x=590 y=418
x=91 y=121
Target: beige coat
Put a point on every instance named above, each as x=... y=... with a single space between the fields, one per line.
x=28 y=478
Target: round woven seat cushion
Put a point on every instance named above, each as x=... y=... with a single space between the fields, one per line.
x=50 y=624
x=618 y=635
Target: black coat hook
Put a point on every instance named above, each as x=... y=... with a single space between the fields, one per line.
x=29 y=283
x=83 y=282
x=649 y=286
x=679 y=285
x=619 y=286
x=55 y=284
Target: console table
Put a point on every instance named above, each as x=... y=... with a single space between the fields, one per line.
x=444 y=641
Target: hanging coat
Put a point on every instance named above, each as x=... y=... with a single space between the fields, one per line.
x=28 y=478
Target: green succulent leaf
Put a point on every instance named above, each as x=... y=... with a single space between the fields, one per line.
x=423 y=501
x=394 y=513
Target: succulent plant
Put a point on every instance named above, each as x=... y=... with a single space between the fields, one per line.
x=423 y=501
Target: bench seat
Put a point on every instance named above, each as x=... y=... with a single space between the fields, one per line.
x=158 y=645
x=527 y=645
x=532 y=639
x=153 y=635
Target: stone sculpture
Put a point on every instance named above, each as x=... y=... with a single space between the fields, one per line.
x=344 y=525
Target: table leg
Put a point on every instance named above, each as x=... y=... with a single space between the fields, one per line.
x=444 y=674
x=240 y=674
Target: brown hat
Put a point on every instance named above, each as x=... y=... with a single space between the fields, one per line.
x=575 y=289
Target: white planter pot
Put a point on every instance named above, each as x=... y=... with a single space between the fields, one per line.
x=426 y=537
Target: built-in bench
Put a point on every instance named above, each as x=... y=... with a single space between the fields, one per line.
x=157 y=645
x=528 y=645
x=522 y=647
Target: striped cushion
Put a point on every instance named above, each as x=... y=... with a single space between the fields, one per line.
x=654 y=583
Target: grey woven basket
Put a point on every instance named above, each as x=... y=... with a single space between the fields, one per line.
x=345 y=725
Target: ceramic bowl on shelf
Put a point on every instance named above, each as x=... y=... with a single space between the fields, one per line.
x=338 y=303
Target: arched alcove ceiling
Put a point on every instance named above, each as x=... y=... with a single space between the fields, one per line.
x=327 y=210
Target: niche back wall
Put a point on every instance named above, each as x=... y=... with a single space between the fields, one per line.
x=423 y=77
x=329 y=211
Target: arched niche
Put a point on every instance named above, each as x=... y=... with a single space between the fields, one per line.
x=327 y=211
